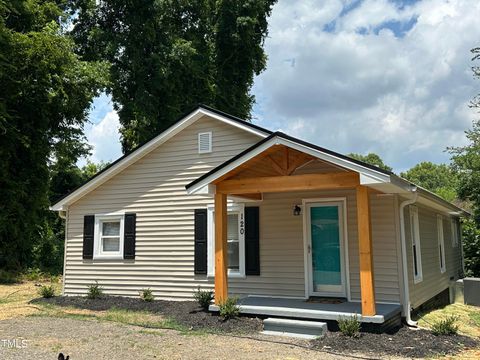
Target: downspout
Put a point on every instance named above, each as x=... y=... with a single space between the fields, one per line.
x=403 y=240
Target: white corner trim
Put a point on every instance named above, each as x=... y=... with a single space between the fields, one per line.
x=146 y=149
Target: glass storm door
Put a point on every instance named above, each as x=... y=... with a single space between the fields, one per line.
x=326 y=249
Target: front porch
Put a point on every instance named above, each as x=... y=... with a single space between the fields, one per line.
x=315 y=310
x=279 y=165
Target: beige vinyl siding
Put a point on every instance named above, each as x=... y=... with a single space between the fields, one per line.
x=282 y=270
x=153 y=188
x=433 y=281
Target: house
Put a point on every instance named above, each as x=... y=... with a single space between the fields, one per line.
x=294 y=229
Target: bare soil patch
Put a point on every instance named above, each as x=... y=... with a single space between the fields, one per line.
x=185 y=313
x=406 y=342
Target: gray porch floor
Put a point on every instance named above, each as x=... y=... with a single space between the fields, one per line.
x=299 y=308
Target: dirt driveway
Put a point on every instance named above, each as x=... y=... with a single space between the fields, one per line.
x=91 y=339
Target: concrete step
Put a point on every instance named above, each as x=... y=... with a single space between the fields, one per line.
x=294 y=328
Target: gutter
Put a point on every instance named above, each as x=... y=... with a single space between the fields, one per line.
x=406 y=290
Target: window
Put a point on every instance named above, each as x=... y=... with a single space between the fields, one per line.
x=108 y=242
x=417 y=253
x=455 y=232
x=204 y=142
x=441 y=244
x=235 y=241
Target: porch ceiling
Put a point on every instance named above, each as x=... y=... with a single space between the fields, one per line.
x=280 y=168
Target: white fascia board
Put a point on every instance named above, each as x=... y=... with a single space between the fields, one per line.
x=234 y=123
x=372 y=175
x=369 y=176
x=145 y=149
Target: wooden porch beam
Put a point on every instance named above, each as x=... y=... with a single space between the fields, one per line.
x=221 y=279
x=341 y=180
x=367 y=286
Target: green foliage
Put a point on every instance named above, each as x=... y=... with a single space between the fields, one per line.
x=372 y=159
x=44 y=100
x=47 y=291
x=438 y=178
x=8 y=277
x=446 y=326
x=204 y=298
x=349 y=326
x=471 y=247
x=229 y=308
x=168 y=56
x=94 y=291
x=147 y=295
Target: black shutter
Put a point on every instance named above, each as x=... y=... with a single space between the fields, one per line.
x=88 y=235
x=201 y=241
x=252 y=241
x=129 y=236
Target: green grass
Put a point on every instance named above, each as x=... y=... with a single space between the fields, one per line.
x=469 y=323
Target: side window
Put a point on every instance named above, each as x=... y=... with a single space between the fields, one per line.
x=109 y=234
x=441 y=244
x=416 y=249
x=455 y=232
x=235 y=241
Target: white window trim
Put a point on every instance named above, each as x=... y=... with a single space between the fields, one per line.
x=455 y=232
x=98 y=254
x=209 y=150
x=415 y=236
x=441 y=244
x=236 y=208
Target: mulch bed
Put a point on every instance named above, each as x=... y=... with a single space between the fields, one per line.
x=406 y=342
x=185 y=313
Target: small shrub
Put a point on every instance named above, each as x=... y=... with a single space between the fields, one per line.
x=229 y=308
x=349 y=326
x=47 y=291
x=33 y=274
x=147 y=295
x=446 y=326
x=204 y=298
x=94 y=291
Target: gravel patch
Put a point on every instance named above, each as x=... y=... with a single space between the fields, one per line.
x=185 y=313
x=406 y=342
x=91 y=339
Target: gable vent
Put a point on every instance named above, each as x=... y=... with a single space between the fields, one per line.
x=204 y=142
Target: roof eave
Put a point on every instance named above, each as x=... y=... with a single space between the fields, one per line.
x=128 y=159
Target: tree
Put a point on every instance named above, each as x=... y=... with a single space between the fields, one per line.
x=466 y=161
x=44 y=100
x=372 y=159
x=168 y=56
x=440 y=179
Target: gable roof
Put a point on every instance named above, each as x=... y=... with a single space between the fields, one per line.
x=370 y=175
x=150 y=145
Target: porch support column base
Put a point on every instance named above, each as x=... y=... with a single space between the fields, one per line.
x=221 y=279
x=367 y=286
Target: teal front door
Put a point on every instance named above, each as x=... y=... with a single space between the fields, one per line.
x=326 y=249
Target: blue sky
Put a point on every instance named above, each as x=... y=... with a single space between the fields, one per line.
x=386 y=76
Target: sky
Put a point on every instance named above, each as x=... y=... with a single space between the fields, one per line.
x=386 y=76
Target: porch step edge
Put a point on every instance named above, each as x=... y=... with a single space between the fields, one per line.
x=294 y=323
x=289 y=334
x=299 y=327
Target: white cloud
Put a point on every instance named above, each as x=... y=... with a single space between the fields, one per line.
x=402 y=96
x=104 y=137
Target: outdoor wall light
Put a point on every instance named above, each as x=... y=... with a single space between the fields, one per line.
x=297 y=210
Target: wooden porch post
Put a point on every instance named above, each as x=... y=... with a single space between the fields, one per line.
x=367 y=286
x=221 y=280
